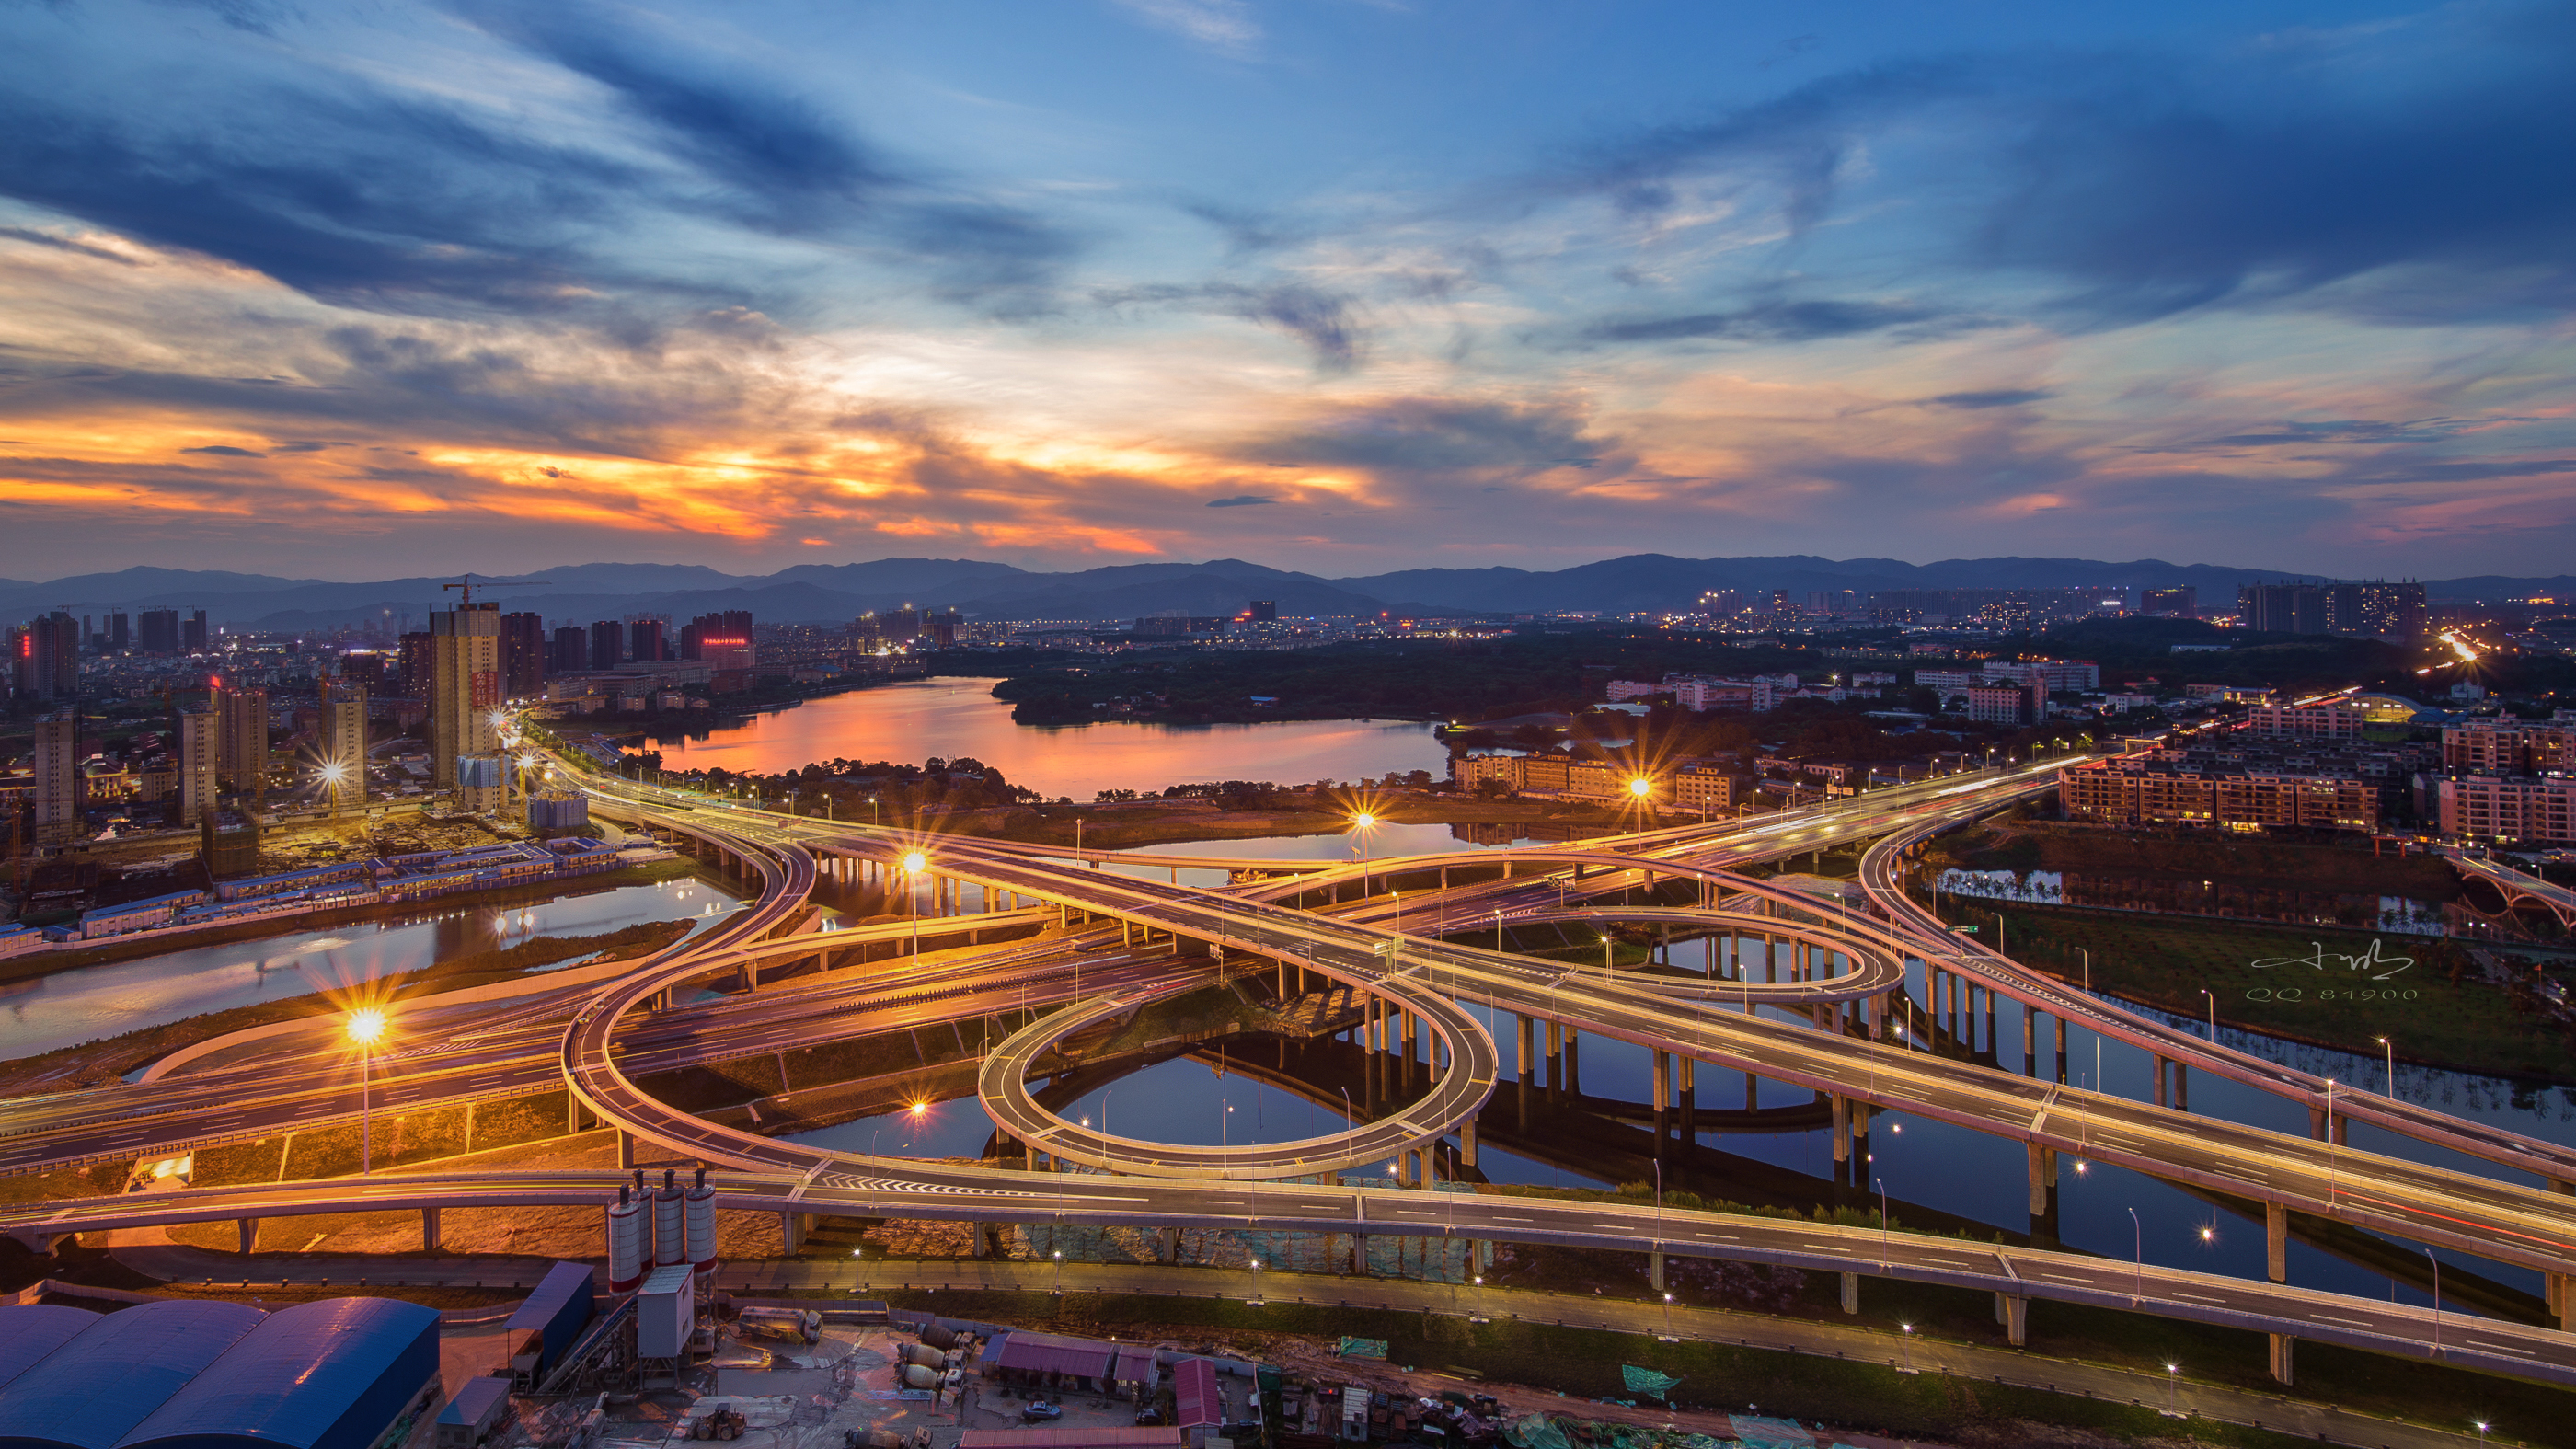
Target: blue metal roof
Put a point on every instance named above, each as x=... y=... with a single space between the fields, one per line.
x=105 y=1379
x=30 y=1331
x=312 y=1376
x=563 y=1282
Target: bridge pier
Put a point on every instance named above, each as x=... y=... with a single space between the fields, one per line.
x=2061 y=1051
x=1662 y=1090
x=1573 y=1062
x=1842 y=1129
x=2182 y=1086
x=2012 y=1310
x=2029 y=1040
x=625 y=1149
x=2562 y=1300
x=1655 y=1271
x=2276 y=1242
x=2282 y=1346
x=1523 y=1104
x=791 y=1228
x=2162 y=1068
x=248 y=1230
x=429 y=1230
x=2043 y=1177
x=1851 y=1292
x=1467 y=1143
x=1687 y=1130
x=1556 y=1061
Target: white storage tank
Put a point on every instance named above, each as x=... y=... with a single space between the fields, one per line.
x=666 y=1312
x=630 y=1249
x=701 y=1240
x=669 y=1214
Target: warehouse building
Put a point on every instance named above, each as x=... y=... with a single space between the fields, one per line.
x=206 y=1375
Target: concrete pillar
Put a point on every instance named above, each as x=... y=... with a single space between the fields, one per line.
x=2061 y=1051
x=1467 y=1143
x=791 y=1228
x=1573 y=1062
x=2281 y=1346
x=429 y=1230
x=1993 y=1041
x=1655 y=1270
x=2182 y=1086
x=1842 y=1128
x=2564 y=1293
x=2276 y=1242
x=1688 y=1126
x=2016 y=1318
x=625 y=1149
x=1522 y=1106
x=2043 y=1176
x=1851 y=1292
x=2029 y=1040
x=2163 y=1068
x=248 y=1228
x=1663 y=1087
x=1556 y=1061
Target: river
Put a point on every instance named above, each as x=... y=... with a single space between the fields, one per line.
x=914 y=720
x=89 y=1002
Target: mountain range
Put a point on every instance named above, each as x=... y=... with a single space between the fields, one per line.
x=833 y=593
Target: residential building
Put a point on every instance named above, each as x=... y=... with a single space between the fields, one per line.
x=120 y=636
x=45 y=662
x=2000 y=703
x=159 y=632
x=2339 y=717
x=464 y=705
x=58 y=779
x=2378 y=610
x=1947 y=683
x=2169 y=789
x=344 y=744
x=193 y=633
x=241 y=751
x=2179 y=603
x=416 y=657
x=2507 y=808
x=200 y=743
x=1710 y=789
x=607 y=644
x=2047 y=676
x=523 y=655
x=2510 y=746
x=571 y=651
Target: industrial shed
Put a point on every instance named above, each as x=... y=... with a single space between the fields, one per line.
x=327 y=1375
x=30 y=1332
x=209 y=1375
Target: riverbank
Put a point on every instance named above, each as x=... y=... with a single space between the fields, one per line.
x=46 y=963
x=96 y=1063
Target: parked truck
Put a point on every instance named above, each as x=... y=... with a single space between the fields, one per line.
x=796 y=1325
x=914 y=1376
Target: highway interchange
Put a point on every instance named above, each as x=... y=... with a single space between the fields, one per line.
x=593 y=1037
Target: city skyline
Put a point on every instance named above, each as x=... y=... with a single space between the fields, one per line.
x=1342 y=288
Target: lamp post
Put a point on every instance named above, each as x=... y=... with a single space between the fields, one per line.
x=2213 y=1015
x=2138 y=1272
x=2437 y=1301
x=2389 y=1052
x=366 y=1027
x=1908 y=1330
x=1605 y=958
x=1882 y=1221
x=1361 y=825
x=2172 y=1380
x=1667 y=1336
x=914 y=863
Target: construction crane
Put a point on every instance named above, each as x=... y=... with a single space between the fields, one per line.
x=465 y=586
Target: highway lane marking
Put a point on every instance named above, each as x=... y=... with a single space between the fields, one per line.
x=2196 y=1298
x=2346 y=1322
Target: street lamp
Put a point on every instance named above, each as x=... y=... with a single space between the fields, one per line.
x=2172 y=1370
x=366 y=1027
x=1667 y=1335
x=1059 y=1272
x=914 y=863
x=2213 y=1015
x=1882 y=1220
x=1908 y=1340
x=2390 y=1052
x=2138 y=1277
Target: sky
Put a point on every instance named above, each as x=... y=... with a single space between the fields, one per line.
x=352 y=290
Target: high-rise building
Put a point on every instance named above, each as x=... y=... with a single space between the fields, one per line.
x=120 y=635
x=607 y=644
x=571 y=650
x=241 y=751
x=644 y=639
x=725 y=651
x=736 y=624
x=2378 y=610
x=2179 y=603
x=523 y=655
x=45 y=658
x=193 y=636
x=344 y=744
x=58 y=779
x=160 y=632
x=364 y=669
x=415 y=666
x=200 y=736
x=941 y=629
x=464 y=705
x=1265 y=611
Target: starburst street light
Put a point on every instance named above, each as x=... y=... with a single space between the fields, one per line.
x=366 y=1027
x=914 y=863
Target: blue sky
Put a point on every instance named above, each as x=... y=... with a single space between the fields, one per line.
x=1342 y=285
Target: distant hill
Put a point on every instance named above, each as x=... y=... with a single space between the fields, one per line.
x=830 y=593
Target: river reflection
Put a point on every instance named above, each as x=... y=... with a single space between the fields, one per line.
x=89 y=1002
x=914 y=720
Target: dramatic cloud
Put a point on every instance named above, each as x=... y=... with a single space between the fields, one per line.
x=1341 y=287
